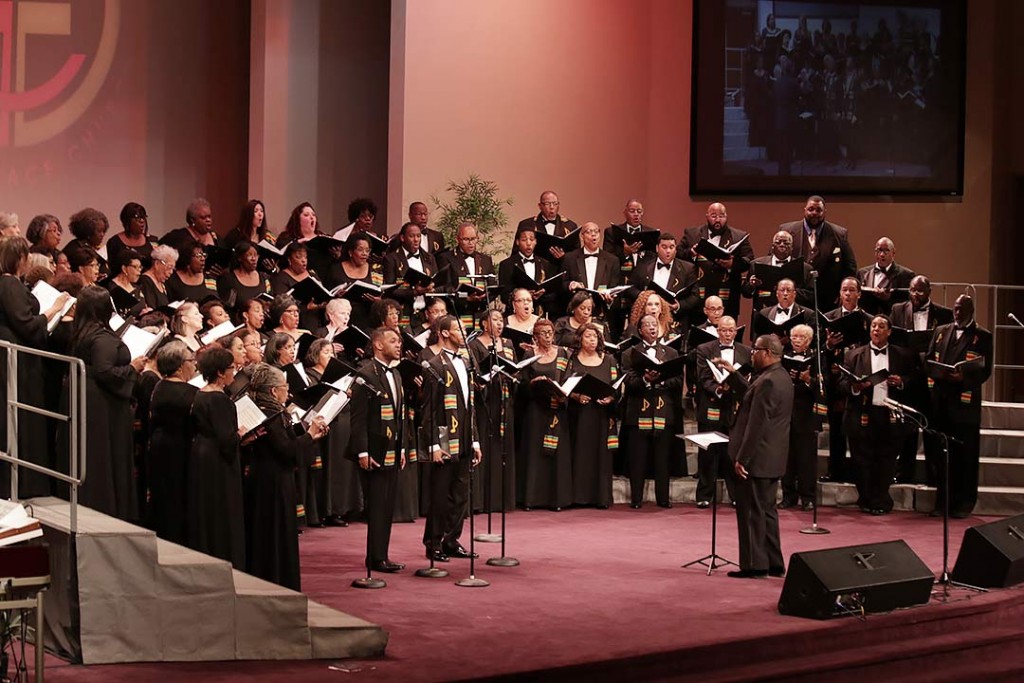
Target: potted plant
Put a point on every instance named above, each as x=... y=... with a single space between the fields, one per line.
x=477 y=200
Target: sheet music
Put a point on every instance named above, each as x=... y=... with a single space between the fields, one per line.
x=222 y=330
x=334 y=405
x=720 y=374
x=47 y=296
x=139 y=341
x=249 y=414
x=707 y=439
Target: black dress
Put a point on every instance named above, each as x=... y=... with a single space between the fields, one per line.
x=110 y=381
x=215 y=512
x=21 y=323
x=546 y=466
x=177 y=290
x=361 y=307
x=170 y=441
x=153 y=297
x=282 y=283
x=272 y=538
x=233 y=293
x=141 y=399
x=115 y=245
x=494 y=402
x=591 y=426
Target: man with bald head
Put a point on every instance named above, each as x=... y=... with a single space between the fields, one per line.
x=825 y=246
x=616 y=237
x=880 y=283
x=722 y=277
x=590 y=267
x=549 y=221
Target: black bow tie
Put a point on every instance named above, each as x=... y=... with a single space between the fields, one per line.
x=923 y=308
x=527 y=260
x=387 y=370
x=633 y=229
x=416 y=255
x=879 y=352
x=727 y=348
x=591 y=255
x=787 y=311
x=664 y=265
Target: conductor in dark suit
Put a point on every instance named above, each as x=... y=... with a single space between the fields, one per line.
x=410 y=255
x=378 y=442
x=919 y=314
x=758 y=444
x=956 y=403
x=875 y=436
x=825 y=246
x=455 y=446
x=648 y=416
x=722 y=277
x=462 y=265
x=549 y=220
x=882 y=278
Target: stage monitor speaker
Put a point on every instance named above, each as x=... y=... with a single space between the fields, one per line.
x=992 y=555
x=857 y=579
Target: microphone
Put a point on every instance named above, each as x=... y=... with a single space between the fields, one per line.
x=429 y=368
x=369 y=387
x=900 y=408
x=814 y=274
x=1016 y=319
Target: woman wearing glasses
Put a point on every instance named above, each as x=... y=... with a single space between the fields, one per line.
x=189 y=282
x=135 y=235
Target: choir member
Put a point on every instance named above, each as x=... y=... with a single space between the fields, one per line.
x=186 y=324
x=799 y=483
x=242 y=281
x=135 y=235
x=189 y=280
x=153 y=281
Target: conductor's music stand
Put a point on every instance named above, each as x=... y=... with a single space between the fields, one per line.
x=713 y=560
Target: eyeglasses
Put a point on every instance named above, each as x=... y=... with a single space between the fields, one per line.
x=760 y=348
x=140 y=217
x=549 y=203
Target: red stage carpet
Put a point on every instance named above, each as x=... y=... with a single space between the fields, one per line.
x=602 y=595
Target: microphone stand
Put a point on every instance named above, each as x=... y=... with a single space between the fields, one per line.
x=491 y=537
x=472 y=581
x=369 y=581
x=504 y=560
x=814 y=528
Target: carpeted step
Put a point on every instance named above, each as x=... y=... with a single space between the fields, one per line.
x=336 y=635
x=998 y=415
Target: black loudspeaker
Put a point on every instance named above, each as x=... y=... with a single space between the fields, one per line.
x=992 y=555
x=877 y=577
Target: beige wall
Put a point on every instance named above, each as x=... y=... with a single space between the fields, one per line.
x=591 y=98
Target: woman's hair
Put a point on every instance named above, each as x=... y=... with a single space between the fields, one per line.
x=124 y=258
x=664 y=320
x=582 y=329
x=170 y=357
x=244 y=224
x=37 y=260
x=313 y=354
x=292 y=228
x=336 y=306
x=246 y=306
x=280 y=304
x=72 y=283
x=239 y=251
x=354 y=238
x=542 y=322
x=293 y=247
x=165 y=253
x=37 y=227
x=577 y=300
x=80 y=257
x=379 y=311
x=92 y=313
x=265 y=377
x=208 y=306
x=178 y=319
x=357 y=206
x=87 y=223
x=35 y=273
x=214 y=360
x=13 y=250
x=277 y=341
x=130 y=211
x=185 y=255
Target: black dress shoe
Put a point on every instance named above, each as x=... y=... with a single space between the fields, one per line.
x=777 y=572
x=748 y=574
x=334 y=520
x=387 y=566
x=702 y=504
x=437 y=556
x=556 y=509
x=960 y=514
x=825 y=478
x=786 y=504
x=316 y=525
x=807 y=507
x=460 y=552
x=636 y=506
x=527 y=508
x=667 y=506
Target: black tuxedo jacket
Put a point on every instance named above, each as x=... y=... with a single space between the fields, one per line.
x=378 y=421
x=680 y=275
x=899 y=278
x=832 y=257
x=757 y=327
x=715 y=281
x=458 y=422
x=607 y=275
x=961 y=401
x=759 y=439
x=395 y=265
x=902 y=362
x=456 y=262
x=710 y=406
x=763 y=297
x=902 y=315
x=637 y=391
x=435 y=242
x=563 y=226
x=613 y=245
x=543 y=271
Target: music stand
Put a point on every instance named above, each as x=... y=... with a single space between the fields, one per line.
x=713 y=560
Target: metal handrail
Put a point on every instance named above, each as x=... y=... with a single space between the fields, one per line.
x=987 y=313
x=75 y=418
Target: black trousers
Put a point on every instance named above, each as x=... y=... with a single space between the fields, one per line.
x=963 y=467
x=757 y=522
x=838 y=464
x=449 y=502
x=379 y=485
x=707 y=473
x=875 y=449
x=801 y=478
x=647 y=445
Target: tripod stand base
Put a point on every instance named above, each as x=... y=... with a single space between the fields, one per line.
x=503 y=562
x=431 y=573
x=369 y=582
x=712 y=562
x=472 y=582
x=815 y=529
x=487 y=538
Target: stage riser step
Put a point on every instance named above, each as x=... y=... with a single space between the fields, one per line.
x=991 y=471
x=994 y=443
x=1002 y=415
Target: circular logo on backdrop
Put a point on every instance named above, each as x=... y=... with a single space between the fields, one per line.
x=53 y=62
